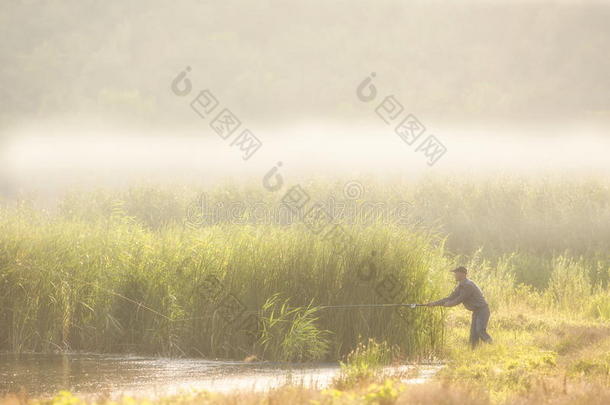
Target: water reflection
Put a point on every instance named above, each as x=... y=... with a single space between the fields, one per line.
x=92 y=374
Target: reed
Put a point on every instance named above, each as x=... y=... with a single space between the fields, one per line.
x=118 y=271
x=116 y=286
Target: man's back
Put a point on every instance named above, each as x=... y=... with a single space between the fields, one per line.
x=467 y=293
x=474 y=298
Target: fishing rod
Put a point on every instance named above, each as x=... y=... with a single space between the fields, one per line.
x=370 y=305
x=346 y=306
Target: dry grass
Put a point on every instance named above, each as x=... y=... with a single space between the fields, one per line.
x=548 y=391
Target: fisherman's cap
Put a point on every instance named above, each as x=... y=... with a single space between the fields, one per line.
x=460 y=269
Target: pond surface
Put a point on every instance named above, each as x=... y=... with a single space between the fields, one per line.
x=113 y=376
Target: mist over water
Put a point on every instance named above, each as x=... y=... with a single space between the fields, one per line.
x=51 y=164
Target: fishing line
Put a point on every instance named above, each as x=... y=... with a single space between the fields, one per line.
x=141 y=305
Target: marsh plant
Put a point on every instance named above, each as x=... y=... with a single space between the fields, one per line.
x=118 y=270
x=364 y=363
x=291 y=334
x=114 y=285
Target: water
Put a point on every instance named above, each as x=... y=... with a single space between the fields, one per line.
x=113 y=376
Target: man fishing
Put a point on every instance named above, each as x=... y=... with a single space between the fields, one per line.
x=469 y=294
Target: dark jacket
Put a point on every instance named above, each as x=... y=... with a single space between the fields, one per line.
x=467 y=293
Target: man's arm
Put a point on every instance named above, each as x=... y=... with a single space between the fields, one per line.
x=441 y=302
x=464 y=293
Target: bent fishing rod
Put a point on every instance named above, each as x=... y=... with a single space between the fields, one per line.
x=345 y=306
x=369 y=306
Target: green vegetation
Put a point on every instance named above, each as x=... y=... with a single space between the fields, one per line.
x=364 y=363
x=290 y=334
x=109 y=273
x=112 y=285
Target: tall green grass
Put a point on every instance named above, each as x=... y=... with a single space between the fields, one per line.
x=118 y=271
x=537 y=218
x=113 y=285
